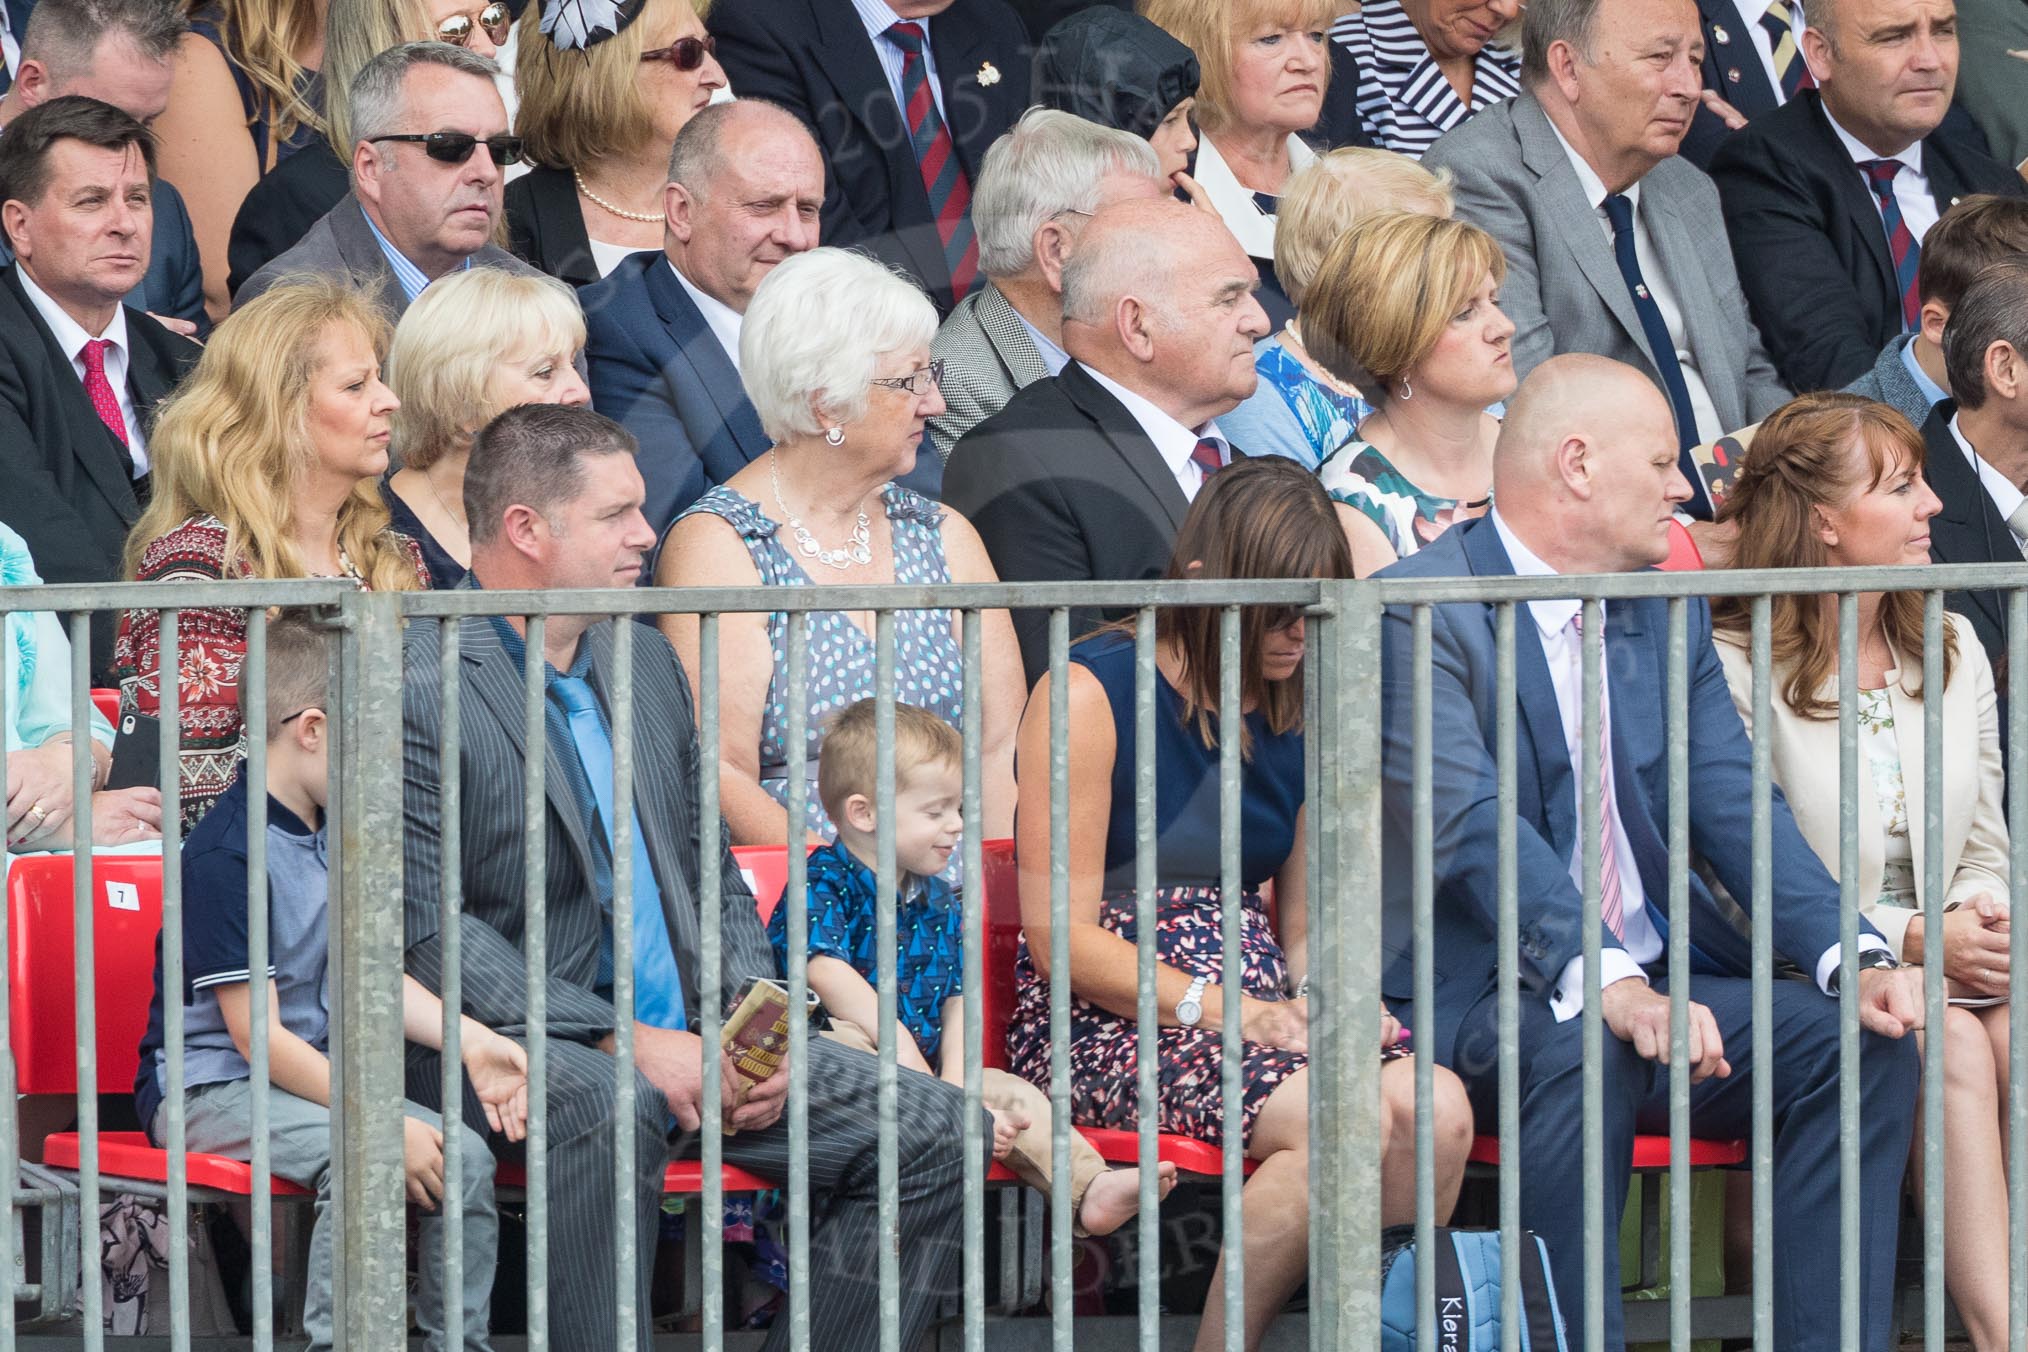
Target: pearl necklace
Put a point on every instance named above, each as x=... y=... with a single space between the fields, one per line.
x=645 y=217
x=858 y=550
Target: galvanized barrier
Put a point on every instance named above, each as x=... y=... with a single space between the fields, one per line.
x=1343 y=751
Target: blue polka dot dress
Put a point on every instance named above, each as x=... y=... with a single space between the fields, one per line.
x=929 y=665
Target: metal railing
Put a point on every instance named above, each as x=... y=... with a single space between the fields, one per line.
x=1345 y=785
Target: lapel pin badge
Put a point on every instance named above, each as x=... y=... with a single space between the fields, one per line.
x=1732 y=74
x=1642 y=292
x=1720 y=36
x=989 y=74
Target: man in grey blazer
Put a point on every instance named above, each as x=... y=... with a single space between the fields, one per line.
x=590 y=533
x=1039 y=183
x=427 y=179
x=1614 y=243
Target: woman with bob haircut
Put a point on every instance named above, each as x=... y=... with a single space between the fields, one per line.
x=267 y=464
x=473 y=345
x=1300 y=409
x=1258 y=519
x=1834 y=480
x=1414 y=301
x=1263 y=66
x=599 y=123
x=835 y=355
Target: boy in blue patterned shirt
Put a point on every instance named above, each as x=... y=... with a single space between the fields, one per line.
x=929 y=929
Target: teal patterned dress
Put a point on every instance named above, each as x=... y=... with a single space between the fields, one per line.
x=1359 y=476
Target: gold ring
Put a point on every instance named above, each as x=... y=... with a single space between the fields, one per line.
x=37 y=813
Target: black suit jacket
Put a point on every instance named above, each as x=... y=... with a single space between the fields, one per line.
x=545 y=226
x=1807 y=237
x=282 y=207
x=815 y=59
x=1969 y=529
x=69 y=486
x=1732 y=70
x=1063 y=485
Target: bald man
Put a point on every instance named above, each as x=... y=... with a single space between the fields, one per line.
x=1086 y=475
x=1585 y=482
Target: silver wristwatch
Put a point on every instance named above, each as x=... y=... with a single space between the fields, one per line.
x=1190 y=1009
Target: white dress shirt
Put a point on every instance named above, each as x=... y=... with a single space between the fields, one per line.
x=10 y=49
x=1911 y=185
x=1709 y=428
x=1751 y=12
x=71 y=337
x=878 y=18
x=723 y=321
x=2006 y=497
x=1173 y=441
x=1054 y=358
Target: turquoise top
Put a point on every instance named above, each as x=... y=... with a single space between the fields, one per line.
x=37 y=661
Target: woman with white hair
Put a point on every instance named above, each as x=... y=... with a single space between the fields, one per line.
x=473 y=345
x=835 y=354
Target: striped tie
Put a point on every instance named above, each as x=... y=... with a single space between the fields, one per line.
x=1791 y=71
x=1611 y=908
x=1208 y=455
x=950 y=194
x=1900 y=242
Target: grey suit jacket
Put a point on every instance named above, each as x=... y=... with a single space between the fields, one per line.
x=342 y=244
x=1564 y=291
x=987 y=356
x=1890 y=383
x=491 y=753
x=1993 y=73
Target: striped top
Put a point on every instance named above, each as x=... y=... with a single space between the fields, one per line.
x=1404 y=100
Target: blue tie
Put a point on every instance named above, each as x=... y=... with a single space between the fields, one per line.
x=658 y=987
x=1620 y=212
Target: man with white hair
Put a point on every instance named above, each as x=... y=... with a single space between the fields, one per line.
x=1038 y=186
x=1088 y=474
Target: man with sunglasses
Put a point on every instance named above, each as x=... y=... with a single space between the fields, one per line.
x=430 y=143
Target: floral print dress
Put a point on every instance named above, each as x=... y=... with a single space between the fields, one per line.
x=1359 y=476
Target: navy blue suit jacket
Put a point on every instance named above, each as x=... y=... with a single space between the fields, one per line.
x=1466 y=818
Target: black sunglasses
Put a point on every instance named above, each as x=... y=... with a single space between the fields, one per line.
x=495 y=18
x=455 y=147
x=684 y=53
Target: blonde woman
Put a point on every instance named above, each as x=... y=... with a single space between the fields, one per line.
x=1264 y=67
x=266 y=465
x=472 y=346
x=599 y=123
x=1414 y=301
x=1300 y=409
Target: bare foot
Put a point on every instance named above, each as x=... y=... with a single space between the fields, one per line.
x=1115 y=1195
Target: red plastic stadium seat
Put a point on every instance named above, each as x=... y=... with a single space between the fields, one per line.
x=127 y=1154
x=1683 y=553
x=108 y=702
x=767 y=872
x=683 y=1178
x=1650 y=1152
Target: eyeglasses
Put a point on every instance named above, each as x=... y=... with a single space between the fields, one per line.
x=684 y=53
x=917 y=383
x=455 y=147
x=496 y=19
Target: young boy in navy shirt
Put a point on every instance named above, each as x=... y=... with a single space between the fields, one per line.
x=929 y=964
x=216 y=1004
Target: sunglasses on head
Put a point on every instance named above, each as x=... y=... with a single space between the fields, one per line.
x=684 y=53
x=495 y=18
x=455 y=147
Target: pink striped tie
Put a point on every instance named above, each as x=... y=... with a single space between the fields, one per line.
x=1611 y=907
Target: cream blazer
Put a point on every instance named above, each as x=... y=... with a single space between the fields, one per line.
x=1974 y=836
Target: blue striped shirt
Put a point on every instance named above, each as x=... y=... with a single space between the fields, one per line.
x=878 y=18
x=1404 y=100
x=411 y=277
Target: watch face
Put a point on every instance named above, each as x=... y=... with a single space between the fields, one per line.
x=1187 y=1012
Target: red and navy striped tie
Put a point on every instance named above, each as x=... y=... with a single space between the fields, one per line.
x=950 y=193
x=1900 y=240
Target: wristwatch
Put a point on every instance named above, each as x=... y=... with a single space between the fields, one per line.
x=1190 y=1009
x=1878 y=958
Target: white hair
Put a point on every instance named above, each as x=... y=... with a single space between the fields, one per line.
x=1051 y=162
x=815 y=332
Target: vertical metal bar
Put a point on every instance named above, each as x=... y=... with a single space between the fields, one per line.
x=1147 y=1013
x=1848 y=1025
x=1763 y=976
x=1509 y=980
x=372 y=1222
x=1422 y=872
x=2017 y=947
x=341 y=673
x=973 y=903
x=535 y=967
x=1933 y=1106
x=710 y=973
x=1059 y=977
x=1591 y=805
x=253 y=679
x=889 y=956
x=450 y=913
x=1678 y=719
x=1231 y=1050
x=626 y=1193
x=10 y=1117
x=796 y=898
x=169 y=771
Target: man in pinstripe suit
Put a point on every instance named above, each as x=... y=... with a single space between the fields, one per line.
x=592 y=534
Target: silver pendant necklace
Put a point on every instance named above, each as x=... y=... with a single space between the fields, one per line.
x=857 y=550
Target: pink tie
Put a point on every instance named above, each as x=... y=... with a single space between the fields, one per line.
x=100 y=390
x=1611 y=908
